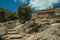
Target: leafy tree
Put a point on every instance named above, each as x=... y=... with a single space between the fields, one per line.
x=24 y=13
x=6 y=15
x=11 y=16
x=2 y=17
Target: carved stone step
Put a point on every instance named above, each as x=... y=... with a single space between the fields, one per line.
x=14 y=39
x=12 y=32
x=14 y=36
x=5 y=37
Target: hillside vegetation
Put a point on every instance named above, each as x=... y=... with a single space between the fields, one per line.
x=23 y=13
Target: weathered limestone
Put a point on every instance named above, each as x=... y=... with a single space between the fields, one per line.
x=3 y=31
x=12 y=35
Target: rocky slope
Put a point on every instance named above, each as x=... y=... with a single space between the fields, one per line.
x=31 y=30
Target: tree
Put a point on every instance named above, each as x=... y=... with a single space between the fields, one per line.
x=24 y=13
x=6 y=15
x=2 y=15
x=11 y=16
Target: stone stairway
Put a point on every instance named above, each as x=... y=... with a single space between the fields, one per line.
x=12 y=34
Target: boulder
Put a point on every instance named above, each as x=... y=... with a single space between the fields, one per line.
x=2 y=31
x=32 y=26
x=28 y=27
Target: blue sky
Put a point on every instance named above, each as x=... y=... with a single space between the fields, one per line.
x=35 y=4
x=9 y=4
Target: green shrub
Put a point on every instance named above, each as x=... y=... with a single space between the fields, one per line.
x=7 y=15
x=24 y=13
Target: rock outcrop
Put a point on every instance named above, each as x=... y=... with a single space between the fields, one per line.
x=32 y=31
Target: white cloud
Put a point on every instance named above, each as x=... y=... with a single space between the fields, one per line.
x=42 y=4
x=23 y=1
x=39 y=4
x=15 y=0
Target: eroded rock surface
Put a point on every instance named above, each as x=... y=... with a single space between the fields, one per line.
x=32 y=31
x=3 y=31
